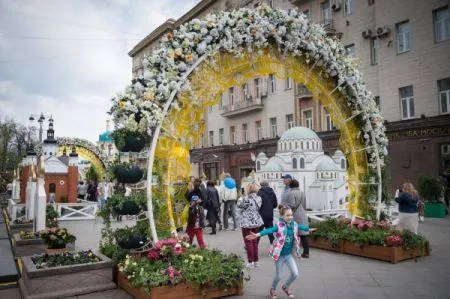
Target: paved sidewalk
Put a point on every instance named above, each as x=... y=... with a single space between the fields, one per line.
x=326 y=274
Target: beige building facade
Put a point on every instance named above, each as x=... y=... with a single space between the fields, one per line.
x=403 y=50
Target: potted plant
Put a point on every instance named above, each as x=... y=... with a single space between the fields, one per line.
x=51 y=216
x=56 y=239
x=431 y=189
x=126 y=173
x=129 y=141
x=123 y=205
x=130 y=238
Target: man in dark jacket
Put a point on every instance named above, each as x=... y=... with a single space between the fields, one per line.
x=212 y=204
x=269 y=202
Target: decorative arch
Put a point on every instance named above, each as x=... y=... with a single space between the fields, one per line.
x=204 y=58
x=86 y=150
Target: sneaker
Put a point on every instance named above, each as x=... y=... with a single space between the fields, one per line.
x=305 y=255
x=250 y=265
x=256 y=264
x=288 y=293
x=273 y=294
x=220 y=227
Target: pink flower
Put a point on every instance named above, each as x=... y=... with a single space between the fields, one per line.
x=178 y=249
x=153 y=254
x=171 y=272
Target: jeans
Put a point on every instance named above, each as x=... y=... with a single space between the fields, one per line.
x=196 y=232
x=290 y=262
x=101 y=202
x=227 y=206
x=251 y=246
x=305 y=245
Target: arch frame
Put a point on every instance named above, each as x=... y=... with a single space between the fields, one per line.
x=146 y=102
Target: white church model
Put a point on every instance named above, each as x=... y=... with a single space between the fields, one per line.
x=299 y=153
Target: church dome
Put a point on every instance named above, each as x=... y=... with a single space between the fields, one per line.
x=299 y=133
x=272 y=166
x=326 y=165
x=105 y=137
x=261 y=156
x=338 y=153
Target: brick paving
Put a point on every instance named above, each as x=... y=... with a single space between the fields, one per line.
x=326 y=274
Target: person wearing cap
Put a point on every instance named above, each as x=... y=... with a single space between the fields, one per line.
x=286 y=180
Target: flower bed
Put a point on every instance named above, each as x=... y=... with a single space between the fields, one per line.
x=56 y=238
x=174 y=269
x=20 y=225
x=368 y=239
x=60 y=276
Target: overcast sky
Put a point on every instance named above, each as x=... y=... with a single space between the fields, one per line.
x=67 y=58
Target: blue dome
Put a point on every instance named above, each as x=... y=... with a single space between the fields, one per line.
x=105 y=137
x=299 y=133
x=272 y=165
x=326 y=165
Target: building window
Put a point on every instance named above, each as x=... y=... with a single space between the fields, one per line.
x=407 y=102
x=308 y=119
x=272 y=83
x=245 y=137
x=342 y=163
x=351 y=50
x=245 y=93
x=403 y=37
x=294 y=163
x=377 y=102
x=221 y=102
x=52 y=188
x=221 y=136
x=327 y=120
x=348 y=7
x=374 y=51
x=273 y=127
x=290 y=123
x=257 y=83
x=442 y=24
x=231 y=96
x=211 y=138
x=325 y=12
x=302 y=163
x=288 y=83
x=444 y=95
x=258 y=130
x=271 y=3
x=258 y=165
x=232 y=135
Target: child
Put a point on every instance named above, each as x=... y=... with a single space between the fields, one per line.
x=286 y=238
x=196 y=221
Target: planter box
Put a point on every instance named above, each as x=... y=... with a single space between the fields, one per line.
x=435 y=210
x=181 y=290
x=65 y=281
x=323 y=244
x=27 y=247
x=388 y=254
x=16 y=228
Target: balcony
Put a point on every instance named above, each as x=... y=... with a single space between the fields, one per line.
x=330 y=29
x=249 y=105
x=302 y=92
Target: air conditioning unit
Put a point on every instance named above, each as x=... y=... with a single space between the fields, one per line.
x=383 y=31
x=336 y=7
x=367 y=34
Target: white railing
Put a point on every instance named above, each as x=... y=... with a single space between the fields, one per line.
x=14 y=209
x=315 y=215
x=77 y=211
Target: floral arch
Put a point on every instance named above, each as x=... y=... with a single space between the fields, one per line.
x=200 y=60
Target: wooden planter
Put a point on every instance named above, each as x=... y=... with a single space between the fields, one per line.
x=383 y=253
x=27 y=247
x=181 y=290
x=65 y=281
x=323 y=244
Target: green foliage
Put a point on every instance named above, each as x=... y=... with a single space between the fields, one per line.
x=56 y=237
x=63 y=199
x=28 y=235
x=111 y=171
x=412 y=241
x=92 y=174
x=51 y=216
x=65 y=259
x=430 y=188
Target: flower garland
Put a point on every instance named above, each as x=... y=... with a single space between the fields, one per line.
x=68 y=141
x=140 y=106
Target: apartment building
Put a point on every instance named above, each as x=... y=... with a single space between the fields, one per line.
x=403 y=49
